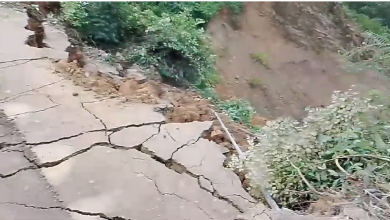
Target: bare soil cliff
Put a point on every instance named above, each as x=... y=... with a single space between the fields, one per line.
x=283 y=57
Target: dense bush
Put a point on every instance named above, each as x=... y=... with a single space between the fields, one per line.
x=198 y=10
x=98 y=22
x=331 y=150
x=374 y=10
x=373 y=25
x=168 y=35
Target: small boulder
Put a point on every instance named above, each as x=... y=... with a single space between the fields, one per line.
x=91 y=69
x=136 y=75
x=100 y=68
x=107 y=69
x=118 y=67
x=136 y=67
x=163 y=108
x=216 y=134
x=119 y=56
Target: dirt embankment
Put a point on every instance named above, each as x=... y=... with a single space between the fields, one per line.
x=282 y=57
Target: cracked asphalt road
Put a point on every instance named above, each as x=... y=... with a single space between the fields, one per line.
x=26 y=187
x=82 y=157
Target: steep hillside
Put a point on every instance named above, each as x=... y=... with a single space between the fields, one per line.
x=282 y=57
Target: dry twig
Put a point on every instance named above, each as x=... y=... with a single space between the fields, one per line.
x=307 y=182
x=266 y=195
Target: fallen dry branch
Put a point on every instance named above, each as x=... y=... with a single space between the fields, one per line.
x=266 y=195
x=238 y=149
x=312 y=189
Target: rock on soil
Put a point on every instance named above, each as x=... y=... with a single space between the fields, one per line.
x=136 y=75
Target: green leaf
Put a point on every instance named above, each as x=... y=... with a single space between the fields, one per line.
x=380 y=144
x=335 y=183
x=324 y=138
x=333 y=173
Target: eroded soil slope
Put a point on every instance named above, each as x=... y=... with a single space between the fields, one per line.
x=283 y=57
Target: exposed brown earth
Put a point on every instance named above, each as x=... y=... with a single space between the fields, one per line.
x=297 y=45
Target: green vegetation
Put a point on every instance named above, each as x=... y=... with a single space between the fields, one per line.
x=167 y=35
x=254 y=82
x=374 y=54
x=339 y=150
x=239 y=111
x=373 y=25
x=378 y=11
x=261 y=58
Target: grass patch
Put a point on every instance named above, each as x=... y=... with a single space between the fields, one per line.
x=254 y=82
x=261 y=58
x=240 y=111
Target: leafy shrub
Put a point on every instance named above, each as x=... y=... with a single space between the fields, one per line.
x=103 y=23
x=238 y=110
x=373 y=25
x=168 y=35
x=198 y=10
x=177 y=46
x=376 y=10
x=347 y=140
